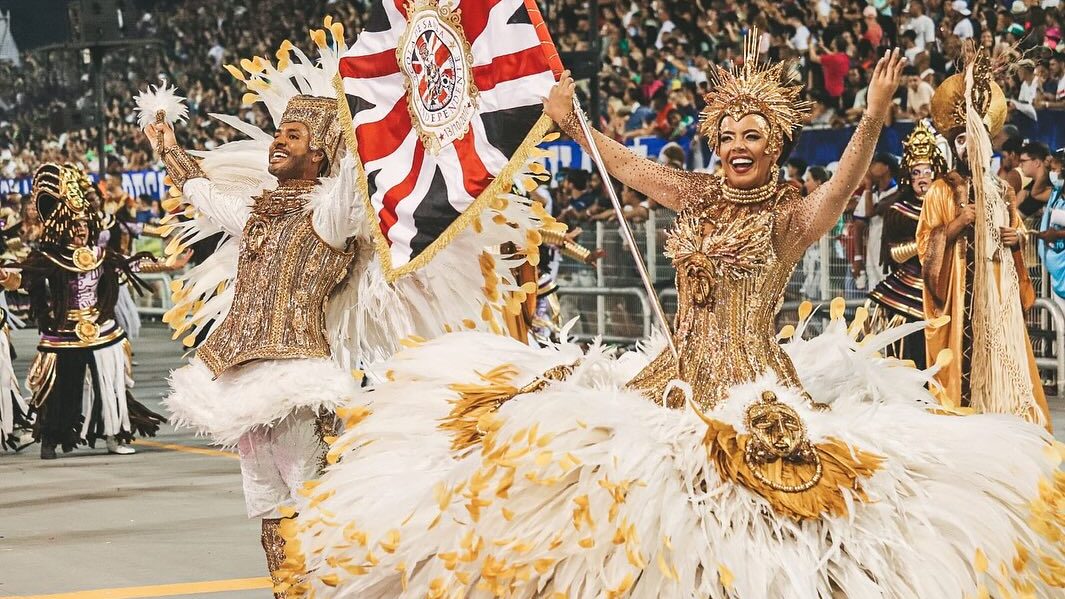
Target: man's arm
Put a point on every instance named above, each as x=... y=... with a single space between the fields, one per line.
x=230 y=213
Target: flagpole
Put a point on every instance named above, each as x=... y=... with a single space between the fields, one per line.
x=626 y=231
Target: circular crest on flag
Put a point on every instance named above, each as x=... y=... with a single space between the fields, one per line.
x=436 y=60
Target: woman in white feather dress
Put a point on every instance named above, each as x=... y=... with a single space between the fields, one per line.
x=810 y=469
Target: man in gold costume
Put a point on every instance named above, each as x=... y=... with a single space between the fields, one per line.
x=970 y=251
x=264 y=378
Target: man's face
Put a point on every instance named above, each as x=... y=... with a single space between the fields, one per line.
x=878 y=171
x=959 y=148
x=291 y=156
x=1030 y=166
x=913 y=81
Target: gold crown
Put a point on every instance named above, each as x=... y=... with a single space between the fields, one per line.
x=769 y=91
x=948 y=102
x=920 y=147
x=320 y=115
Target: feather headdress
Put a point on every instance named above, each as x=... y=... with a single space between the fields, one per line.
x=769 y=91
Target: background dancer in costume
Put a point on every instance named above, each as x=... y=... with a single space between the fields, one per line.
x=898 y=299
x=571 y=480
x=969 y=244
x=81 y=376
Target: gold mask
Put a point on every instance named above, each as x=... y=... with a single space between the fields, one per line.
x=778 y=433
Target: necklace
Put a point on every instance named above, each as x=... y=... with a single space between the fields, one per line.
x=287 y=198
x=749 y=196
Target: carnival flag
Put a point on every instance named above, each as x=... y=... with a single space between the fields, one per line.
x=446 y=97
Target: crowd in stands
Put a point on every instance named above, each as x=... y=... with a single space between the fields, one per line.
x=196 y=38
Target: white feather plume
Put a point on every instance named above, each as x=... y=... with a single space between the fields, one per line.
x=160 y=98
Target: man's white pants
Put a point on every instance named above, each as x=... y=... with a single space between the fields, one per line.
x=276 y=461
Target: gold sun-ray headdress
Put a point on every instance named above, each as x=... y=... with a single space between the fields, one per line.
x=769 y=91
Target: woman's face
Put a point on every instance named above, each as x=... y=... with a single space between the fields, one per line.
x=986 y=39
x=742 y=146
x=921 y=177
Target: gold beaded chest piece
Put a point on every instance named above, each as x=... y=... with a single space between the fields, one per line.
x=285 y=274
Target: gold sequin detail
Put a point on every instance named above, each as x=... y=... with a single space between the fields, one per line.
x=285 y=273
x=728 y=299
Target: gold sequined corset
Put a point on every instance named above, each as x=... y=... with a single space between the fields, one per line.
x=730 y=284
x=285 y=274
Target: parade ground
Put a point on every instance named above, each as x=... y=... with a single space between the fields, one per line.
x=166 y=522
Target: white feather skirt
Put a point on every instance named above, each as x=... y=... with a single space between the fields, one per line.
x=590 y=490
x=255 y=395
x=12 y=404
x=126 y=314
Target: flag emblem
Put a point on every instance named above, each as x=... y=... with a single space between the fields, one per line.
x=446 y=106
x=435 y=60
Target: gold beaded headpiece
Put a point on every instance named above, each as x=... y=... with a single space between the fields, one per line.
x=769 y=91
x=320 y=115
x=59 y=192
x=920 y=147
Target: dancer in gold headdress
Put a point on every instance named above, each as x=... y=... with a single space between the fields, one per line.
x=898 y=298
x=522 y=472
x=970 y=251
x=81 y=376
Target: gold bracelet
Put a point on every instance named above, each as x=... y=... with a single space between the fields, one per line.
x=553 y=237
x=903 y=251
x=571 y=126
x=180 y=166
x=576 y=251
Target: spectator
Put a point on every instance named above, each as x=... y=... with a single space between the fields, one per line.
x=834 y=68
x=1052 y=231
x=1010 y=165
x=578 y=199
x=1036 y=193
x=874 y=33
x=923 y=27
x=796 y=172
x=963 y=27
x=878 y=194
x=918 y=95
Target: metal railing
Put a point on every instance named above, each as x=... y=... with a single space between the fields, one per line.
x=611 y=304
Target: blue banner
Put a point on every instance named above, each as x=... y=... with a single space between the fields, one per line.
x=815 y=146
x=136 y=184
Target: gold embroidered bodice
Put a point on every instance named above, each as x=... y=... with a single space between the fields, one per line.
x=285 y=274
x=732 y=269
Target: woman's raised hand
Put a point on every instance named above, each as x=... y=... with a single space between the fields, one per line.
x=559 y=102
x=885 y=82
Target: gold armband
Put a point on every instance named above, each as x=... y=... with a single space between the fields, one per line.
x=903 y=251
x=576 y=251
x=553 y=237
x=569 y=248
x=180 y=166
x=153 y=266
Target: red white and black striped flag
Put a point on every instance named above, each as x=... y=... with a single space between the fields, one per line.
x=445 y=95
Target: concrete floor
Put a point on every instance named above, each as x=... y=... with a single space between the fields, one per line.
x=90 y=520
x=93 y=522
